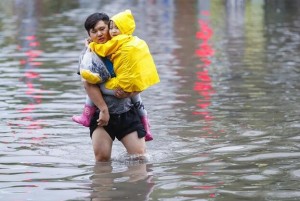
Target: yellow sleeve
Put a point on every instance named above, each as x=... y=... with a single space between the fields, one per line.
x=105 y=49
x=112 y=83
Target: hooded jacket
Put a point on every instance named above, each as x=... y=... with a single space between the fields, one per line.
x=133 y=63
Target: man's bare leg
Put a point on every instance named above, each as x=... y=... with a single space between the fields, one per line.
x=133 y=144
x=102 y=144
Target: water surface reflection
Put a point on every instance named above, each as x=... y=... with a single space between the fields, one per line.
x=119 y=181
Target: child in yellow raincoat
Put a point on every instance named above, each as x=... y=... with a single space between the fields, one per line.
x=132 y=61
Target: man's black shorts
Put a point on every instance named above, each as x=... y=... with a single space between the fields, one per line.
x=120 y=125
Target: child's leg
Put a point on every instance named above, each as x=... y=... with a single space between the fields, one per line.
x=88 y=101
x=88 y=112
x=106 y=91
x=138 y=104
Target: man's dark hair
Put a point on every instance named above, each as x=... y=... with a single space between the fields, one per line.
x=93 y=19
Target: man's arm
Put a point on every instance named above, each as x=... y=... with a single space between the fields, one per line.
x=95 y=95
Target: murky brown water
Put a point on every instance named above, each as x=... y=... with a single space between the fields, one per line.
x=225 y=115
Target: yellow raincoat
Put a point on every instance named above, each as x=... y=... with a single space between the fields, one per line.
x=133 y=63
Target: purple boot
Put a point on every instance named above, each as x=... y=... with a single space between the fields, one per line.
x=146 y=125
x=86 y=116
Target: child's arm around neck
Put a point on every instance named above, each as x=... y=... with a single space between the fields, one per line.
x=110 y=46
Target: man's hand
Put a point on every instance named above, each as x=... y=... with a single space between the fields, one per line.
x=103 y=118
x=119 y=93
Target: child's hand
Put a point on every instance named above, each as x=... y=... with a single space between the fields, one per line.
x=87 y=41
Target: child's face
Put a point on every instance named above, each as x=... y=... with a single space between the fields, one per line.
x=113 y=29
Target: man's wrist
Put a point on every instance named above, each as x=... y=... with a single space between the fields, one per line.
x=103 y=109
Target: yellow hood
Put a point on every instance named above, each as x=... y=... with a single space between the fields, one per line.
x=125 y=22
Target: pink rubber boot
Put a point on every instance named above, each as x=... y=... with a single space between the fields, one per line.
x=146 y=125
x=86 y=116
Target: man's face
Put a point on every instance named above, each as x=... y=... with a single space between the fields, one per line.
x=99 y=34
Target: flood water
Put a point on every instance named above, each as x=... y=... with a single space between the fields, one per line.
x=225 y=115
